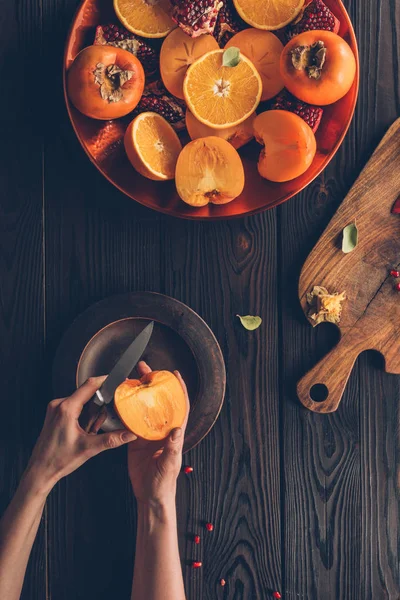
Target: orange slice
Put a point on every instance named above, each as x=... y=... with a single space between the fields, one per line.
x=268 y=14
x=148 y=18
x=178 y=52
x=264 y=50
x=219 y=96
x=152 y=146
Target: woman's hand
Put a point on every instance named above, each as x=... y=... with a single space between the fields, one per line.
x=63 y=445
x=154 y=466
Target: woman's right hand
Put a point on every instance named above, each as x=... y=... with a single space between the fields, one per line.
x=154 y=466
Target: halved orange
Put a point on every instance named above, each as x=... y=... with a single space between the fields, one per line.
x=264 y=50
x=219 y=96
x=148 y=18
x=152 y=146
x=268 y=14
x=178 y=52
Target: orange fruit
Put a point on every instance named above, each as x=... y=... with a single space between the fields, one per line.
x=289 y=145
x=178 y=52
x=148 y=18
x=152 y=146
x=268 y=14
x=219 y=96
x=264 y=50
x=238 y=135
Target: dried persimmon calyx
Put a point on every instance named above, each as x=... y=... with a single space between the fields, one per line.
x=324 y=306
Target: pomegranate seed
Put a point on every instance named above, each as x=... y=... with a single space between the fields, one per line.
x=222 y=582
x=188 y=470
x=395 y=273
x=209 y=526
x=398 y=287
x=196 y=565
x=197 y=539
x=277 y=595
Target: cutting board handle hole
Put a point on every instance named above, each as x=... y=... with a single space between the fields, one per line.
x=319 y=392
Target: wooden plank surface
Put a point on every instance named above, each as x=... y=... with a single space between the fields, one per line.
x=22 y=327
x=303 y=503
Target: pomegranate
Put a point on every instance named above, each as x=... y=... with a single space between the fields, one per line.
x=196 y=17
x=157 y=99
x=228 y=23
x=316 y=15
x=312 y=115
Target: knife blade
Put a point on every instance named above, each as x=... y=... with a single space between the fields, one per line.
x=124 y=366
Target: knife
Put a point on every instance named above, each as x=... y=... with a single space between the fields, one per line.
x=118 y=374
x=124 y=366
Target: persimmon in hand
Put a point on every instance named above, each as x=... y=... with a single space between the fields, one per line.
x=105 y=82
x=289 y=145
x=318 y=67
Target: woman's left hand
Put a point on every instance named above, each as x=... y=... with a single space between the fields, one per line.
x=63 y=445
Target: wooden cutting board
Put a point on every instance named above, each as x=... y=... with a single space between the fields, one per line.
x=371 y=314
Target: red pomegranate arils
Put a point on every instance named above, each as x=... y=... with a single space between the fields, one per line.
x=197 y=564
x=222 y=582
x=316 y=15
x=196 y=17
x=276 y=595
x=396 y=207
x=119 y=37
x=312 y=115
x=398 y=287
x=228 y=23
x=209 y=526
x=197 y=539
x=188 y=470
x=395 y=273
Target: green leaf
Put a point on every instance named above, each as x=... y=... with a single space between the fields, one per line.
x=350 y=238
x=231 y=57
x=250 y=322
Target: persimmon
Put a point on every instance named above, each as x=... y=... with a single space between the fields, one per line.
x=238 y=135
x=105 y=82
x=209 y=170
x=318 y=67
x=264 y=50
x=151 y=406
x=178 y=52
x=289 y=145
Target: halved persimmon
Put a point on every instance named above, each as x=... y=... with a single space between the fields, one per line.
x=289 y=145
x=209 y=170
x=318 y=67
x=238 y=135
x=105 y=82
x=178 y=52
x=151 y=406
x=152 y=146
x=264 y=50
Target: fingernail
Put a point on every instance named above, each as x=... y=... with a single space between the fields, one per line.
x=128 y=436
x=176 y=434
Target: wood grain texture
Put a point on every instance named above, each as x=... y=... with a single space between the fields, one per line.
x=342 y=467
x=370 y=318
x=304 y=503
x=21 y=268
x=236 y=483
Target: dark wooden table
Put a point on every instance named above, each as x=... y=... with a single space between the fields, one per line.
x=302 y=503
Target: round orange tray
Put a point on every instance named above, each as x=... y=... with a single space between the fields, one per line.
x=102 y=140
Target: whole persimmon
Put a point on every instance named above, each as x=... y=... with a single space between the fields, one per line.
x=289 y=145
x=151 y=406
x=105 y=82
x=209 y=169
x=318 y=67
